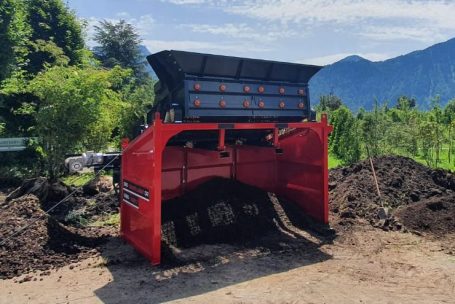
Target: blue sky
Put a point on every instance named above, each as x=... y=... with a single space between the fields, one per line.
x=305 y=31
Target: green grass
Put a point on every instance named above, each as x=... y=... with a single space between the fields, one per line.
x=111 y=220
x=334 y=162
x=443 y=163
x=78 y=180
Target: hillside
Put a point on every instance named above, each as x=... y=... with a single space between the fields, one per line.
x=420 y=74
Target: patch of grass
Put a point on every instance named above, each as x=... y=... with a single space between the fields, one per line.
x=78 y=180
x=77 y=217
x=110 y=220
x=334 y=162
x=443 y=163
x=91 y=202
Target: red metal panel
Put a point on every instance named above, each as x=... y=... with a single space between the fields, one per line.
x=299 y=174
x=173 y=172
x=137 y=221
x=206 y=164
x=256 y=166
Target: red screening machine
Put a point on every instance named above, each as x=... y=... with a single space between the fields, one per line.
x=218 y=116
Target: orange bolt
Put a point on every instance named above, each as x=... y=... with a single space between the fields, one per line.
x=261 y=104
x=197 y=103
x=282 y=105
x=261 y=89
x=282 y=91
x=197 y=87
x=246 y=104
x=222 y=87
x=222 y=103
x=246 y=89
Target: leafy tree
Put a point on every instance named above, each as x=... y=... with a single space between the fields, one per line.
x=140 y=99
x=436 y=119
x=45 y=54
x=329 y=103
x=78 y=111
x=344 y=140
x=374 y=127
x=449 y=120
x=56 y=34
x=14 y=33
x=405 y=102
x=119 y=45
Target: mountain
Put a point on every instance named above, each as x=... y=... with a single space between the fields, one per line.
x=144 y=53
x=420 y=74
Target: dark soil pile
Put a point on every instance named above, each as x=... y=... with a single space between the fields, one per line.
x=435 y=215
x=218 y=211
x=45 y=244
x=404 y=184
x=83 y=206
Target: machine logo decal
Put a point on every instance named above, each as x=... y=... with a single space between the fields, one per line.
x=136 y=190
x=130 y=199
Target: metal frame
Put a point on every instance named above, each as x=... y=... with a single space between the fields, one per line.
x=155 y=172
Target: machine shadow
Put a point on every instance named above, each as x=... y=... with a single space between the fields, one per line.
x=206 y=268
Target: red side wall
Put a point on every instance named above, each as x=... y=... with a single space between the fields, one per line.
x=299 y=174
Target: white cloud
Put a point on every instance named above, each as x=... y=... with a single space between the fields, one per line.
x=143 y=24
x=243 y=31
x=419 y=20
x=184 y=2
x=329 y=59
x=202 y=46
x=423 y=34
x=439 y=12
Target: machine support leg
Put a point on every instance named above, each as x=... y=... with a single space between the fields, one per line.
x=325 y=166
x=221 y=139
x=276 y=142
x=156 y=194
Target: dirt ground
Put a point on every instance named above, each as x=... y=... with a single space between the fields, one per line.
x=406 y=256
x=365 y=265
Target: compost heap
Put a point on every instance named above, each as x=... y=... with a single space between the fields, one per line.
x=420 y=199
x=55 y=240
x=44 y=244
x=218 y=211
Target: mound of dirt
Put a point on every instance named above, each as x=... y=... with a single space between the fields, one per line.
x=435 y=215
x=403 y=184
x=42 y=188
x=45 y=243
x=218 y=211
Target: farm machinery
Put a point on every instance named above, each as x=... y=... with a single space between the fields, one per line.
x=220 y=116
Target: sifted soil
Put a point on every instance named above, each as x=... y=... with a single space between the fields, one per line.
x=218 y=211
x=45 y=244
x=418 y=197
